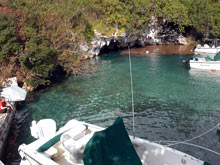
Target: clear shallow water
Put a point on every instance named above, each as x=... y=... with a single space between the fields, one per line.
x=171 y=102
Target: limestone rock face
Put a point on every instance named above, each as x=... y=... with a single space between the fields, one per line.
x=182 y=40
x=27 y=87
x=157 y=32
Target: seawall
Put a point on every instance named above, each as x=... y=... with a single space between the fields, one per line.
x=5 y=124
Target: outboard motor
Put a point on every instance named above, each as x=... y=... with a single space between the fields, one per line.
x=44 y=128
x=198 y=46
x=186 y=62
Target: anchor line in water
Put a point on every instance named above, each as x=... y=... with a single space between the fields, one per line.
x=131 y=82
x=175 y=143
x=132 y=92
x=196 y=137
x=206 y=152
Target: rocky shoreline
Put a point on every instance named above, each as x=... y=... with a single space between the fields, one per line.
x=157 y=33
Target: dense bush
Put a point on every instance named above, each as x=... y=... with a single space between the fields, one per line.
x=203 y=15
x=41 y=58
x=9 y=44
x=89 y=32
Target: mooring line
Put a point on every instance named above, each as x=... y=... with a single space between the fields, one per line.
x=132 y=91
x=195 y=136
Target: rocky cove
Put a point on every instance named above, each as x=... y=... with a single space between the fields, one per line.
x=156 y=34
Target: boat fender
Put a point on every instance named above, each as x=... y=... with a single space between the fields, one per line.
x=34 y=129
x=198 y=46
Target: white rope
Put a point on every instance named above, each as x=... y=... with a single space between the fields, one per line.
x=194 y=145
x=132 y=92
x=194 y=137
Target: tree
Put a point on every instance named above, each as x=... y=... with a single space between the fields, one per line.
x=89 y=32
x=177 y=12
x=215 y=20
x=9 y=44
x=199 y=14
x=41 y=58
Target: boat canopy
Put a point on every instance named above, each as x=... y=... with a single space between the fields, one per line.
x=14 y=93
x=217 y=57
x=196 y=55
x=111 y=146
x=208 y=58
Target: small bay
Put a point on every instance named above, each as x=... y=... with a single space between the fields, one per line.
x=171 y=101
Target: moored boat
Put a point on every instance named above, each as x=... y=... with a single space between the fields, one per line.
x=208 y=50
x=206 y=63
x=82 y=143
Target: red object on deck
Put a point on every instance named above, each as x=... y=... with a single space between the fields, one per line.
x=212 y=70
x=11 y=142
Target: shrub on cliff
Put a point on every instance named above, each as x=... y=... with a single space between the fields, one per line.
x=89 y=32
x=40 y=57
x=9 y=44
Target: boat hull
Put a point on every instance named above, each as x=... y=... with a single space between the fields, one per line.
x=207 y=51
x=207 y=65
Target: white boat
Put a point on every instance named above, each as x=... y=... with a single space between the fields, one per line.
x=208 y=50
x=202 y=63
x=206 y=63
x=73 y=142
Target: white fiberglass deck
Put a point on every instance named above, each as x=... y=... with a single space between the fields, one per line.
x=69 y=150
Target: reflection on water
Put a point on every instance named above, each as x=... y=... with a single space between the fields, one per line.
x=200 y=74
x=154 y=50
x=171 y=102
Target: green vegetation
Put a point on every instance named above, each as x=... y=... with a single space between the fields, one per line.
x=9 y=44
x=39 y=35
x=40 y=58
x=89 y=32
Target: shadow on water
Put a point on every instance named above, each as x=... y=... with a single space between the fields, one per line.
x=18 y=131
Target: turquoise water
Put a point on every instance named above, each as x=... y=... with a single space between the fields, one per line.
x=171 y=101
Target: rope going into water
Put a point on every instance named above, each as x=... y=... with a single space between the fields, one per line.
x=132 y=92
x=196 y=137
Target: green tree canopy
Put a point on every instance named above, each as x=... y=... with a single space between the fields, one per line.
x=215 y=20
x=41 y=58
x=9 y=44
